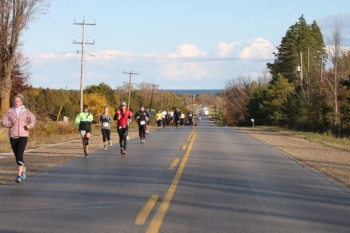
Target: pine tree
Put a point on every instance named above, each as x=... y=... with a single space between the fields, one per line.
x=299 y=58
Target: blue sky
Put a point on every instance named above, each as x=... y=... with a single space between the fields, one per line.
x=182 y=44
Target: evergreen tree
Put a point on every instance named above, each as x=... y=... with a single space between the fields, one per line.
x=299 y=58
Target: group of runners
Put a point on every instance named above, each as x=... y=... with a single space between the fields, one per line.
x=176 y=118
x=123 y=116
x=19 y=120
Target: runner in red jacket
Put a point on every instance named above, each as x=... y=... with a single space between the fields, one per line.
x=123 y=116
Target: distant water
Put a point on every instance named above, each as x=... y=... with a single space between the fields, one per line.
x=195 y=91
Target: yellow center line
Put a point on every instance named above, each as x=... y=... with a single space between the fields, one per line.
x=143 y=214
x=190 y=136
x=174 y=164
x=158 y=218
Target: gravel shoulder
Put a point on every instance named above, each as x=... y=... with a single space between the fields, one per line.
x=335 y=163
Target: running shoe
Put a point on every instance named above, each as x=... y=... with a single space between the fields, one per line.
x=110 y=142
x=18 y=179
x=105 y=147
x=23 y=176
x=86 y=154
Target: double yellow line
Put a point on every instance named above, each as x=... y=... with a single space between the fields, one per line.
x=158 y=218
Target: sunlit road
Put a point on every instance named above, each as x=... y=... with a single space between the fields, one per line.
x=207 y=179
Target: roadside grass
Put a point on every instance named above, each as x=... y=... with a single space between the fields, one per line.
x=331 y=141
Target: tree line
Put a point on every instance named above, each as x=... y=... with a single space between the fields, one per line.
x=307 y=87
x=57 y=103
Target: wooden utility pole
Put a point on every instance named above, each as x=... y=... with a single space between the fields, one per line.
x=301 y=66
x=82 y=58
x=130 y=73
x=150 y=110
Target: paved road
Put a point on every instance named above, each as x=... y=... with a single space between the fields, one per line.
x=212 y=179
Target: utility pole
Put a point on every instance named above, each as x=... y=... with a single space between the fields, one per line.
x=301 y=66
x=83 y=42
x=150 y=110
x=130 y=73
x=321 y=67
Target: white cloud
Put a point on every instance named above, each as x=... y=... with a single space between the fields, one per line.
x=187 y=65
x=54 y=57
x=186 y=50
x=184 y=69
x=111 y=54
x=46 y=56
x=259 y=48
x=226 y=49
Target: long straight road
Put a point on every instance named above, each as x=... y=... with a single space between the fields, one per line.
x=208 y=179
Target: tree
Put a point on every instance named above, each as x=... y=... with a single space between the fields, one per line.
x=268 y=102
x=103 y=89
x=15 y=16
x=256 y=108
x=96 y=103
x=237 y=94
x=278 y=94
x=300 y=58
x=19 y=76
x=335 y=52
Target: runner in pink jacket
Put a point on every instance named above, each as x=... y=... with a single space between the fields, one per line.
x=19 y=120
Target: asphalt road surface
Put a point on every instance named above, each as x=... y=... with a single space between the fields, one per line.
x=203 y=179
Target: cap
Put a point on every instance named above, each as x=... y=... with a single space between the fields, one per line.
x=123 y=104
x=85 y=106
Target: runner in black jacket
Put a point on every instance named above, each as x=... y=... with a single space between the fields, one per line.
x=177 y=115
x=141 y=118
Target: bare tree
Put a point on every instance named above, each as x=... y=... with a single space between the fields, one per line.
x=237 y=94
x=264 y=78
x=15 y=16
x=334 y=53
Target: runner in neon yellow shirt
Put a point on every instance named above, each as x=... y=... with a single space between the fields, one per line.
x=84 y=121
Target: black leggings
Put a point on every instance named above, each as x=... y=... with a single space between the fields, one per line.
x=123 y=134
x=18 y=146
x=106 y=134
x=142 y=131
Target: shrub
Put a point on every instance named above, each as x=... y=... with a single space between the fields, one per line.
x=51 y=128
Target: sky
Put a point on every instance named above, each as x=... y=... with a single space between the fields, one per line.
x=178 y=44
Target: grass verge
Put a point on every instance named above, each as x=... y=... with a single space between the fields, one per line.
x=330 y=141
